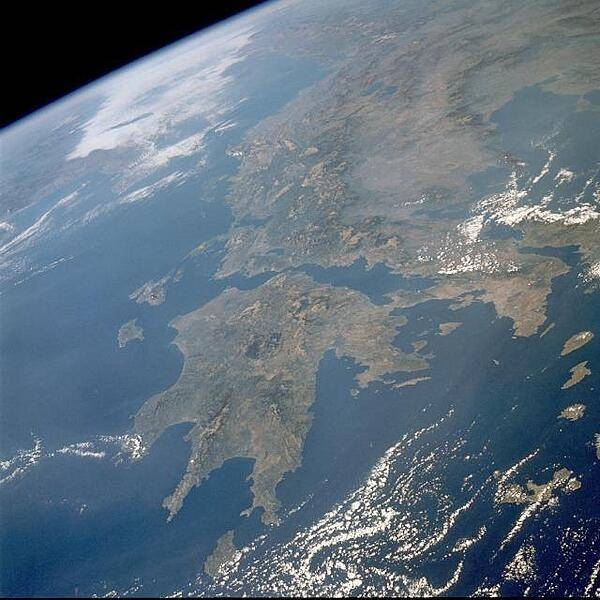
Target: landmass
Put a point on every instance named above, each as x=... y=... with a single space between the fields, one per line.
x=418 y=345
x=152 y=292
x=341 y=204
x=548 y=329
x=538 y=493
x=573 y=412
x=249 y=375
x=578 y=372
x=576 y=341
x=128 y=332
x=411 y=382
x=448 y=328
x=327 y=182
x=225 y=550
x=155 y=292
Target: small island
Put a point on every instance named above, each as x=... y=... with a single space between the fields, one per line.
x=128 y=332
x=411 y=382
x=573 y=412
x=448 y=328
x=576 y=341
x=153 y=292
x=578 y=372
x=548 y=329
x=419 y=345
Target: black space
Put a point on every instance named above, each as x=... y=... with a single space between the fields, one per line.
x=52 y=48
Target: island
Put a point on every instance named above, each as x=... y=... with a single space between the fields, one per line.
x=154 y=293
x=411 y=382
x=548 y=329
x=225 y=550
x=419 y=345
x=576 y=341
x=128 y=332
x=578 y=372
x=573 y=412
x=538 y=493
x=448 y=328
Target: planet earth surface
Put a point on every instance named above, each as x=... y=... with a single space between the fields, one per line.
x=309 y=303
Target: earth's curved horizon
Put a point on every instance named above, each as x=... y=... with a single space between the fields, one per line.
x=308 y=303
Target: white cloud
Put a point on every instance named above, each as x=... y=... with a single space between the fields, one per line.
x=151 y=98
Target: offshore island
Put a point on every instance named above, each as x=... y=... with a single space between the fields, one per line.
x=129 y=332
